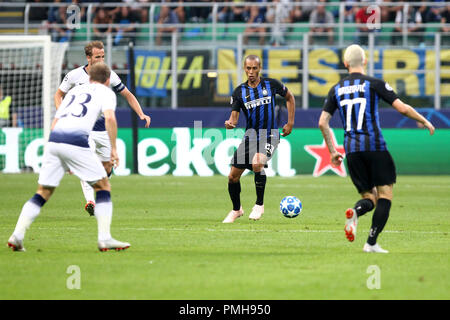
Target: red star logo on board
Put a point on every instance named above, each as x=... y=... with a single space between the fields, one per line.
x=323 y=158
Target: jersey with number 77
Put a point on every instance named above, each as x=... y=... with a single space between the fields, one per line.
x=357 y=98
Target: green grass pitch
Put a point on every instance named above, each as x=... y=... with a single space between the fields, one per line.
x=181 y=250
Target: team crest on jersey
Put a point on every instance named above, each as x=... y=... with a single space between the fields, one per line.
x=265 y=92
x=388 y=87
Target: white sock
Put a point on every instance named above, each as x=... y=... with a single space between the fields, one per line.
x=88 y=191
x=103 y=213
x=30 y=211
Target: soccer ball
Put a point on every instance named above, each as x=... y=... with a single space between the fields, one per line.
x=290 y=206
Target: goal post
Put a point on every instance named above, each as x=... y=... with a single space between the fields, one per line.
x=30 y=73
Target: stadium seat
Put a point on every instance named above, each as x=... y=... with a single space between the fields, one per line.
x=296 y=33
x=81 y=33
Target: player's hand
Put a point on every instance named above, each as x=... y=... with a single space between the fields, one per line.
x=430 y=127
x=147 y=120
x=229 y=125
x=114 y=158
x=336 y=159
x=287 y=129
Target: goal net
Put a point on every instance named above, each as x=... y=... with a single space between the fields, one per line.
x=30 y=73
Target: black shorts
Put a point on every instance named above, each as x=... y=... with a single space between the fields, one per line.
x=243 y=156
x=369 y=169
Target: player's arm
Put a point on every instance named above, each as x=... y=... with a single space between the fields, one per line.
x=290 y=104
x=410 y=112
x=387 y=94
x=324 y=126
x=59 y=96
x=236 y=104
x=233 y=120
x=134 y=104
x=111 y=128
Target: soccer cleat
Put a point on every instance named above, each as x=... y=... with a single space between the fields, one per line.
x=15 y=244
x=233 y=215
x=257 y=212
x=375 y=248
x=90 y=208
x=351 y=224
x=112 y=244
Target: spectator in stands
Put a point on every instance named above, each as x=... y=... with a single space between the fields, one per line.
x=168 y=15
x=199 y=14
x=127 y=19
x=257 y=16
x=82 y=8
x=8 y=117
x=233 y=13
x=135 y=5
x=57 y=18
x=388 y=12
x=37 y=14
x=350 y=10
x=301 y=13
x=319 y=21
x=432 y=13
x=361 y=17
x=414 y=22
x=445 y=19
x=102 y=17
x=278 y=13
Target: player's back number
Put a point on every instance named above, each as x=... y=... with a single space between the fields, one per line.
x=362 y=108
x=81 y=101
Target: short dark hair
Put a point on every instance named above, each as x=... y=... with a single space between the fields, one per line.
x=252 y=57
x=99 y=72
x=91 y=45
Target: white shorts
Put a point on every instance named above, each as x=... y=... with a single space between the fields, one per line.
x=100 y=144
x=60 y=157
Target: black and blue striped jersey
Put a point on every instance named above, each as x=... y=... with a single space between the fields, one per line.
x=258 y=104
x=357 y=98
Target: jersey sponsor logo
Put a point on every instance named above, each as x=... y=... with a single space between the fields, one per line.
x=258 y=102
x=352 y=89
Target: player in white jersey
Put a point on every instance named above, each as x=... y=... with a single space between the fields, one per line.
x=68 y=149
x=98 y=138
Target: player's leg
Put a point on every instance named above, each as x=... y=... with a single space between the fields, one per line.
x=87 y=166
x=239 y=163
x=258 y=162
x=52 y=171
x=360 y=175
x=234 y=190
x=265 y=148
x=383 y=171
x=379 y=218
x=30 y=211
x=98 y=143
x=103 y=214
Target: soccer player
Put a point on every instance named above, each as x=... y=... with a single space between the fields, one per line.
x=98 y=138
x=256 y=99
x=68 y=149
x=370 y=164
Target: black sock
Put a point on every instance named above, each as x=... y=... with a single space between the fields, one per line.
x=234 y=189
x=379 y=219
x=363 y=206
x=260 y=184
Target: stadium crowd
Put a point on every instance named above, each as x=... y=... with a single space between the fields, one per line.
x=317 y=13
